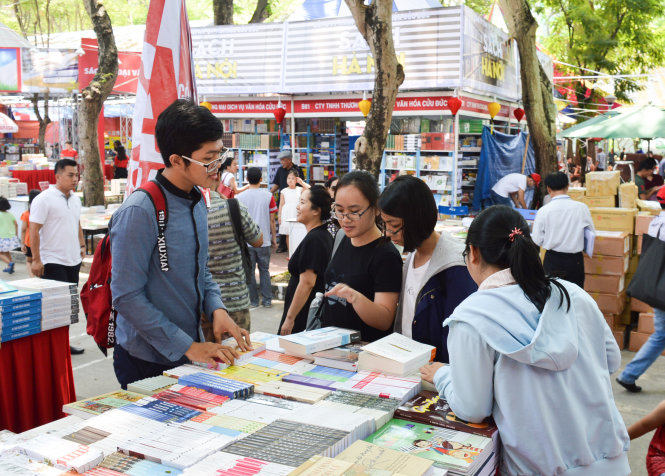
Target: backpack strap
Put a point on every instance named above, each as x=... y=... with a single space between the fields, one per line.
x=234 y=211
x=158 y=199
x=339 y=236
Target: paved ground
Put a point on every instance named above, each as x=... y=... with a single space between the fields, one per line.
x=93 y=373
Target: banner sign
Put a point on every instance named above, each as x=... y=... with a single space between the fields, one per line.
x=490 y=58
x=10 y=70
x=331 y=54
x=238 y=59
x=55 y=71
x=349 y=106
x=128 y=67
x=166 y=74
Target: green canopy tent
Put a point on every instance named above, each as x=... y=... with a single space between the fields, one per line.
x=645 y=122
x=599 y=119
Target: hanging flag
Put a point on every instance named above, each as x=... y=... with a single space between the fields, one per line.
x=166 y=74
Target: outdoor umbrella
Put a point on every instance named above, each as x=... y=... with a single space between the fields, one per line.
x=7 y=125
x=599 y=119
x=646 y=122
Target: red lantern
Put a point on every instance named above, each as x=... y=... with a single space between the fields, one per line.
x=279 y=113
x=454 y=104
x=519 y=114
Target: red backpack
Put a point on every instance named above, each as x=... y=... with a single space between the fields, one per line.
x=96 y=292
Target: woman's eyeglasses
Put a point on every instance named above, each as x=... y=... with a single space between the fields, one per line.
x=394 y=232
x=353 y=216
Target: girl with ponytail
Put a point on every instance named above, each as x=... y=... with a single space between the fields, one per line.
x=536 y=354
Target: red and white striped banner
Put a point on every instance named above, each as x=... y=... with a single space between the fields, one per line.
x=166 y=75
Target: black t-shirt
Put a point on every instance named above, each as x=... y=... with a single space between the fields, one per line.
x=313 y=253
x=282 y=173
x=372 y=268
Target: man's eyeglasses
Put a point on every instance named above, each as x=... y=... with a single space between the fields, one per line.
x=213 y=165
x=353 y=216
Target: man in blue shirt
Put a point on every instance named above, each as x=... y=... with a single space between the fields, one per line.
x=159 y=303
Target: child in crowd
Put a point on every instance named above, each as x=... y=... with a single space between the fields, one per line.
x=434 y=268
x=656 y=453
x=25 y=231
x=526 y=346
x=8 y=234
x=289 y=199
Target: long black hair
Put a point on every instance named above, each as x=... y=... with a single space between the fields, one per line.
x=320 y=200
x=120 y=150
x=227 y=163
x=503 y=239
x=366 y=183
x=410 y=199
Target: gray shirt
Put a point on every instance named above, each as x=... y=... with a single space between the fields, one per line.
x=260 y=204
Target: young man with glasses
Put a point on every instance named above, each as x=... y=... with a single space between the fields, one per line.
x=160 y=290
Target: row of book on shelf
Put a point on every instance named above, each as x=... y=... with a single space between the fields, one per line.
x=277 y=411
x=30 y=306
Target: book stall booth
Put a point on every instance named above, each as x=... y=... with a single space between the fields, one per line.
x=298 y=86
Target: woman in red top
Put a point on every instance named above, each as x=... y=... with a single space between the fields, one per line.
x=656 y=452
x=120 y=161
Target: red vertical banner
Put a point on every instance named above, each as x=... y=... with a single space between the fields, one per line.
x=166 y=74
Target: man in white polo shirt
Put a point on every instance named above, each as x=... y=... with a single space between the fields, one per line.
x=559 y=227
x=56 y=237
x=510 y=189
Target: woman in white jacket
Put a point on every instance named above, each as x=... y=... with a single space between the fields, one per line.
x=536 y=354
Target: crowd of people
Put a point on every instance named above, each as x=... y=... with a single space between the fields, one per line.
x=512 y=340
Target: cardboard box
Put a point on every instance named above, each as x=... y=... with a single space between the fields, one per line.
x=639 y=306
x=611 y=243
x=649 y=206
x=609 y=201
x=628 y=195
x=610 y=303
x=602 y=184
x=645 y=323
x=632 y=265
x=612 y=265
x=620 y=336
x=614 y=219
x=637 y=340
x=612 y=320
x=642 y=222
x=577 y=193
x=602 y=283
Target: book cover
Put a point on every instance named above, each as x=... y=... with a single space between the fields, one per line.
x=309 y=381
x=307 y=342
x=5 y=287
x=384 y=386
x=429 y=408
x=159 y=410
x=102 y=403
x=218 y=385
x=16 y=297
x=401 y=349
x=449 y=449
x=151 y=385
x=126 y=464
x=344 y=353
x=369 y=456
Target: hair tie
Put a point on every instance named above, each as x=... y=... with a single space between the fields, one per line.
x=516 y=231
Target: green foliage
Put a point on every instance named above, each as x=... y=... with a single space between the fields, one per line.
x=611 y=36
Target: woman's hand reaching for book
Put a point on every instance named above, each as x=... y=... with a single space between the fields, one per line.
x=210 y=353
x=428 y=371
x=287 y=326
x=223 y=324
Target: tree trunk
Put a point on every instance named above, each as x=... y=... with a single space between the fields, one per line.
x=43 y=120
x=261 y=12
x=93 y=97
x=536 y=86
x=374 y=22
x=223 y=11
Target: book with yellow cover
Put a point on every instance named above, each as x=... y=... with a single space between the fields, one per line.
x=97 y=405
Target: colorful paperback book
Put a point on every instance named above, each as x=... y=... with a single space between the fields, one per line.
x=429 y=408
x=189 y=400
x=97 y=405
x=226 y=464
x=159 y=410
x=372 y=457
x=19 y=318
x=329 y=373
x=307 y=342
x=229 y=424
x=218 y=385
x=293 y=391
x=384 y=386
x=132 y=465
x=21 y=309
x=281 y=362
x=243 y=356
x=8 y=300
x=310 y=381
x=8 y=335
x=343 y=357
x=250 y=374
x=454 y=450
x=35 y=303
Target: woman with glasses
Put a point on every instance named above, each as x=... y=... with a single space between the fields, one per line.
x=364 y=276
x=434 y=277
x=536 y=354
x=308 y=263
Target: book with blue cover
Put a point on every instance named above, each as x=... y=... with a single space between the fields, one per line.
x=7 y=300
x=310 y=381
x=218 y=385
x=27 y=311
x=306 y=343
x=8 y=321
x=159 y=410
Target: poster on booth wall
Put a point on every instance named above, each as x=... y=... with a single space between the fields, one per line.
x=490 y=58
x=52 y=70
x=10 y=70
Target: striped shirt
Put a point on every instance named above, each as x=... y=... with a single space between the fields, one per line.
x=225 y=258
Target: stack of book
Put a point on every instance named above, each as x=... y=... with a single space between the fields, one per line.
x=395 y=355
x=160 y=410
x=20 y=314
x=60 y=301
x=226 y=464
x=344 y=357
x=218 y=385
x=63 y=454
x=306 y=343
x=380 y=385
x=191 y=397
x=103 y=403
x=243 y=356
x=152 y=385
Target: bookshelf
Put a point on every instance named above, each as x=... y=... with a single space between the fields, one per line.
x=469 y=146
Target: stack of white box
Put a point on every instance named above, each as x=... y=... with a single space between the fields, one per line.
x=60 y=301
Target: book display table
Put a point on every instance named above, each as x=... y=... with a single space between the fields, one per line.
x=33 y=177
x=37 y=379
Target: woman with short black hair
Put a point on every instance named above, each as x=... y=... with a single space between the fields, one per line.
x=536 y=354
x=434 y=277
